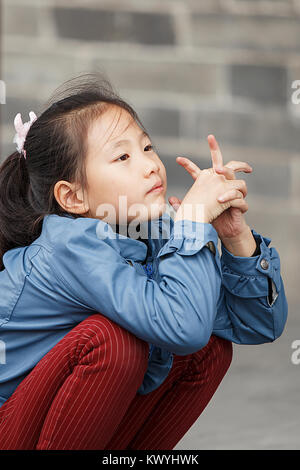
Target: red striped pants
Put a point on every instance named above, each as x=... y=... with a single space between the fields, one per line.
x=82 y=395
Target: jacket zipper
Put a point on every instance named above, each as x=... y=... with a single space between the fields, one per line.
x=149 y=271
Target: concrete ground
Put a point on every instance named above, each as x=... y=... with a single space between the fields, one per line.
x=257 y=405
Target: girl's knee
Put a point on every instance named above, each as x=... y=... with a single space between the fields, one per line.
x=126 y=352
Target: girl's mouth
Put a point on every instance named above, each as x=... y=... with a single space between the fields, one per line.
x=158 y=189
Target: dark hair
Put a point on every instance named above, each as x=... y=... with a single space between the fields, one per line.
x=56 y=147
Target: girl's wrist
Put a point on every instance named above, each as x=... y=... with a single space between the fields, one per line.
x=241 y=245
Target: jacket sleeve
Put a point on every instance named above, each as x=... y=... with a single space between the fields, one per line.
x=252 y=308
x=176 y=313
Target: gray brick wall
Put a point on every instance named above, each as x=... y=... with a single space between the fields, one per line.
x=189 y=68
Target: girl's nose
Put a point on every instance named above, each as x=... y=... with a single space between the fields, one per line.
x=151 y=165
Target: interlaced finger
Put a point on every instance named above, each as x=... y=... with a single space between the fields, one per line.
x=215 y=152
x=190 y=166
x=239 y=166
x=229 y=195
x=237 y=184
x=239 y=203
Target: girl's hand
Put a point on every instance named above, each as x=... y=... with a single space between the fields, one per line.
x=231 y=222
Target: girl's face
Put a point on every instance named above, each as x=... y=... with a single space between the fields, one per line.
x=121 y=168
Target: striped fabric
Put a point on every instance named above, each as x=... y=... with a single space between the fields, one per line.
x=82 y=393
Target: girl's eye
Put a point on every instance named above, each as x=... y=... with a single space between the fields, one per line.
x=126 y=154
x=151 y=146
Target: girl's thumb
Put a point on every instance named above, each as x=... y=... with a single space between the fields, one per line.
x=175 y=202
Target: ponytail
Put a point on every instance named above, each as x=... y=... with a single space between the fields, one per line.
x=20 y=221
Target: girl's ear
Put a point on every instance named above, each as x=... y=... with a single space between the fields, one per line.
x=70 y=198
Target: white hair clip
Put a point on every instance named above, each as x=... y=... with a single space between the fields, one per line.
x=22 y=130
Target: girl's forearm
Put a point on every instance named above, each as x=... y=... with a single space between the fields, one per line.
x=242 y=245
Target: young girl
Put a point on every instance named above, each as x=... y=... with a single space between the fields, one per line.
x=108 y=340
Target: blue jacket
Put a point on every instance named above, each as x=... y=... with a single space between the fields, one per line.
x=80 y=266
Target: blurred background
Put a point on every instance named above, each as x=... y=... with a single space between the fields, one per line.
x=191 y=68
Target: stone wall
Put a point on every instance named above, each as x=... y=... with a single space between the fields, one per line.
x=190 y=68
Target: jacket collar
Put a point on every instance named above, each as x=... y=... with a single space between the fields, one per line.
x=130 y=248
x=151 y=232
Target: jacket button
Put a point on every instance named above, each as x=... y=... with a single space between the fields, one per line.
x=264 y=264
x=210 y=245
